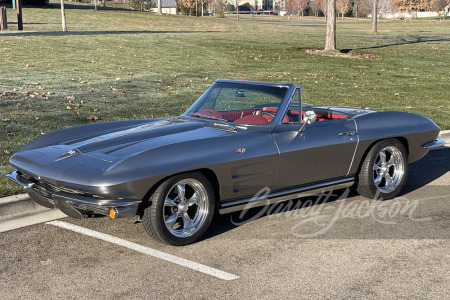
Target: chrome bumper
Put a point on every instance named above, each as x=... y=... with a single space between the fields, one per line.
x=75 y=205
x=434 y=144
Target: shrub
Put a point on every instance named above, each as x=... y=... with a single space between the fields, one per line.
x=142 y=5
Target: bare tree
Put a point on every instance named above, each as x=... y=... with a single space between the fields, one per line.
x=63 y=16
x=330 y=42
x=387 y=7
x=314 y=7
x=297 y=6
x=322 y=6
x=374 y=17
x=158 y=9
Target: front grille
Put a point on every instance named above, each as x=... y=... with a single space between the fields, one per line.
x=48 y=189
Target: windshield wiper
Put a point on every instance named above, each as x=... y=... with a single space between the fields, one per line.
x=221 y=121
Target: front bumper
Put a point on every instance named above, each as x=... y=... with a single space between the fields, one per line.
x=73 y=204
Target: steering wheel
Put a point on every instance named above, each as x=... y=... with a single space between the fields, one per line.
x=267 y=113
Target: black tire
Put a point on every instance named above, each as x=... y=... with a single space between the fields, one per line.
x=383 y=178
x=174 y=217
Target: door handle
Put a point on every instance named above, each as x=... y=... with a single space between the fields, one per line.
x=349 y=133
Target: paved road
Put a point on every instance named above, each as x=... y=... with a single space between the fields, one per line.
x=329 y=248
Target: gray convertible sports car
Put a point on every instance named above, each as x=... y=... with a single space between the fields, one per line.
x=237 y=138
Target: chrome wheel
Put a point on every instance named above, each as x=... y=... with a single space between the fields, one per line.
x=388 y=169
x=185 y=208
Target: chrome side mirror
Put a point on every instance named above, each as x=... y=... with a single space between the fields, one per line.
x=309 y=118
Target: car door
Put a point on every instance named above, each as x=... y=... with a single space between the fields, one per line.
x=323 y=151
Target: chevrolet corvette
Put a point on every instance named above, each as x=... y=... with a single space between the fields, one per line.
x=236 y=139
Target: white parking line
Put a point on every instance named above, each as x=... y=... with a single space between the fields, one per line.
x=149 y=251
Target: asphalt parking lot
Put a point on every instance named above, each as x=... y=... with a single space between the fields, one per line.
x=332 y=246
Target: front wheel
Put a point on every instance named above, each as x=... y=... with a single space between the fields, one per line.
x=181 y=210
x=384 y=170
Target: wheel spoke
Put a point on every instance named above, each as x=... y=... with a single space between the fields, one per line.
x=186 y=220
x=376 y=167
x=377 y=180
x=181 y=190
x=390 y=163
x=171 y=220
x=193 y=200
x=169 y=202
x=382 y=157
x=388 y=179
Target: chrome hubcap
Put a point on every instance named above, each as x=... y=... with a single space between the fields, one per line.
x=388 y=169
x=185 y=208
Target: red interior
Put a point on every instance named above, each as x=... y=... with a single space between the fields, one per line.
x=265 y=115
x=233 y=115
x=252 y=119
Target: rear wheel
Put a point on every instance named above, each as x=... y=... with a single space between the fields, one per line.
x=384 y=170
x=181 y=210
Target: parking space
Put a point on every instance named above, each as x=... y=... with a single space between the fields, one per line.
x=335 y=247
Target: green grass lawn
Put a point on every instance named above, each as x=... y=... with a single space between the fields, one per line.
x=121 y=64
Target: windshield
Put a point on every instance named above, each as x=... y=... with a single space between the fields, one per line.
x=239 y=103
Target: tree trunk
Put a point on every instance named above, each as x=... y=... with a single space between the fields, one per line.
x=356 y=12
x=19 y=14
x=374 y=17
x=158 y=9
x=63 y=16
x=3 y=18
x=330 y=43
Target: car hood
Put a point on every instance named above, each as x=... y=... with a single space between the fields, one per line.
x=93 y=154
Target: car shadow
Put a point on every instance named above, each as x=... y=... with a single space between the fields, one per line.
x=226 y=222
x=433 y=166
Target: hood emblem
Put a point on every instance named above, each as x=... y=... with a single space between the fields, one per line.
x=241 y=150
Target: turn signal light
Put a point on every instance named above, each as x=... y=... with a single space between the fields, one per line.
x=113 y=213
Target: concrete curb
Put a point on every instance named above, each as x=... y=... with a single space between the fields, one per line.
x=20 y=204
x=444 y=135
